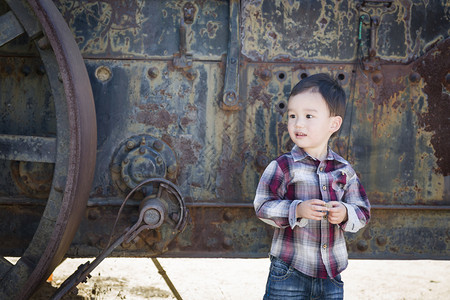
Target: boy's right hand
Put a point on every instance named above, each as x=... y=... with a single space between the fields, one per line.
x=313 y=209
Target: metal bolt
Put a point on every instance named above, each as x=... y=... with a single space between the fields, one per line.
x=158 y=145
x=230 y=98
x=142 y=150
x=130 y=145
x=175 y=217
x=43 y=43
x=159 y=160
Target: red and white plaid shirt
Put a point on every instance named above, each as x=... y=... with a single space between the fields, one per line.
x=315 y=248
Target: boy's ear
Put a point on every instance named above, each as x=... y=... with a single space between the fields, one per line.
x=336 y=123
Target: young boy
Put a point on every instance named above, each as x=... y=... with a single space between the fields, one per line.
x=311 y=196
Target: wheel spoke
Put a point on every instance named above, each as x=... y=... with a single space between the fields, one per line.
x=5 y=265
x=27 y=148
x=11 y=28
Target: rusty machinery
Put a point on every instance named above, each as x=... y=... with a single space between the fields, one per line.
x=117 y=117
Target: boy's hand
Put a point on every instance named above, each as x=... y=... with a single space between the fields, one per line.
x=313 y=209
x=337 y=213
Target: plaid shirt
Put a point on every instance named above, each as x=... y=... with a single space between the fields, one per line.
x=315 y=248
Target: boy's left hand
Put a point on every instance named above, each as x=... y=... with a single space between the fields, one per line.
x=337 y=213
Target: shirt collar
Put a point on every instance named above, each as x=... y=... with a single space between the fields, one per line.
x=300 y=154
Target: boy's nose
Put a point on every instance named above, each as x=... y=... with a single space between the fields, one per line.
x=299 y=123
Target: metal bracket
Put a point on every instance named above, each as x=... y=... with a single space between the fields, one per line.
x=374 y=10
x=231 y=85
x=182 y=60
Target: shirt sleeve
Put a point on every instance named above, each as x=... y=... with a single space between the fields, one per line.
x=357 y=204
x=269 y=203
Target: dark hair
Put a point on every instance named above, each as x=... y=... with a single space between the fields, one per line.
x=329 y=88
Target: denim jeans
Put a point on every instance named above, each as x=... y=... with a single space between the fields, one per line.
x=285 y=282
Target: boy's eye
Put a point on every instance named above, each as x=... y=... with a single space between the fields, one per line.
x=309 y=116
x=291 y=116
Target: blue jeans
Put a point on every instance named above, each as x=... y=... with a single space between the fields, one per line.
x=285 y=282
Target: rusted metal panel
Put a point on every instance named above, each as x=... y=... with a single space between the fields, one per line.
x=147 y=29
x=327 y=30
x=158 y=70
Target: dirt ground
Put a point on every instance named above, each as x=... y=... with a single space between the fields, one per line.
x=138 y=278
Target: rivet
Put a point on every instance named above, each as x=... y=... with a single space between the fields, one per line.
x=228 y=216
x=265 y=74
x=172 y=169
x=414 y=77
x=142 y=150
x=362 y=245
x=377 y=78
x=262 y=161
x=40 y=70
x=26 y=70
x=227 y=242
x=93 y=214
x=153 y=72
x=381 y=241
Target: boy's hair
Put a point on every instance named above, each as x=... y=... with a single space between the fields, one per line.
x=329 y=88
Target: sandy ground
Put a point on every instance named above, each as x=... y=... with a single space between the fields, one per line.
x=138 y=278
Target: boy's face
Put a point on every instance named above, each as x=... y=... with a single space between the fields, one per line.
x=310 y=124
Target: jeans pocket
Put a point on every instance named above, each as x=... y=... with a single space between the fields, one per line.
x=279 y=270
x=337 y=281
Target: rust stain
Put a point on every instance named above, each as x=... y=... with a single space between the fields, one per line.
x=156 y=115
x=434 y=68
x=186 y=148
x=190 y=116
x=258 y=93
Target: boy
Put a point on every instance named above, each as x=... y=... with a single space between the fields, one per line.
x=311 y=196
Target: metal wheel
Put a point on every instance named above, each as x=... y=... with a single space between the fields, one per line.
x=73 y=150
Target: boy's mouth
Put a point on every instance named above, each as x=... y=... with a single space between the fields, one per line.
x=300 y=134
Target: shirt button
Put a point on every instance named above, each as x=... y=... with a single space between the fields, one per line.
x=324 y=187
x=321 y=169
x=324 y=246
